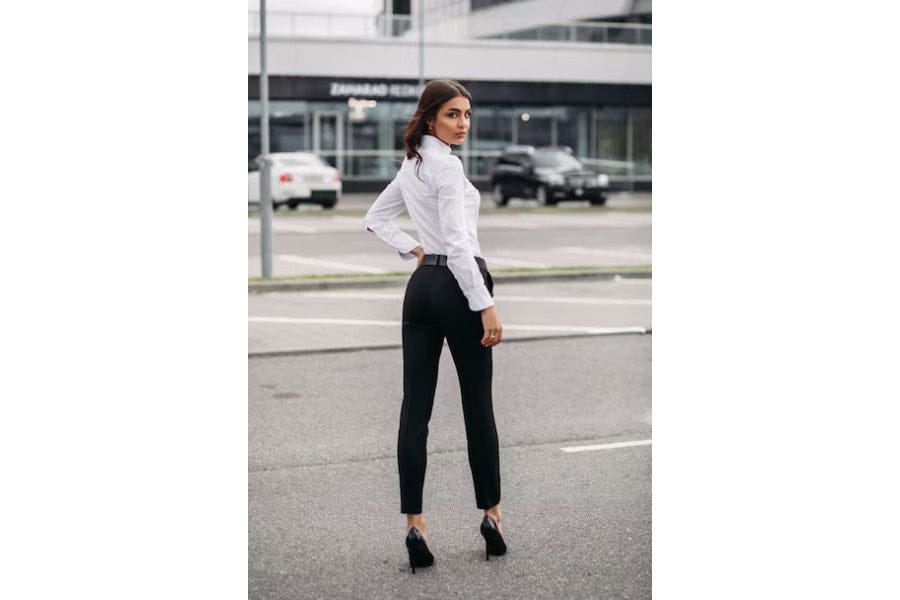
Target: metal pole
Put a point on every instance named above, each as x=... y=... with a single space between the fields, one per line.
x=265 y=181
x=421 y=43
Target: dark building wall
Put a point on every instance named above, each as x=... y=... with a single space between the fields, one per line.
x=482 y=4
x=284 y=87
x=401 y=7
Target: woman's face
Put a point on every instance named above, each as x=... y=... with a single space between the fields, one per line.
x=451 y=123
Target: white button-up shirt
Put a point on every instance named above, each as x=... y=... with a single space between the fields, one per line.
x=443 y=206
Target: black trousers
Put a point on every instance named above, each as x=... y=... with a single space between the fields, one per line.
x=435 y=308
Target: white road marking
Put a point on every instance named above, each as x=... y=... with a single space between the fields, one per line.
x=303 y=260
x=312 y=321
x=321 y=223
x=631 y=280
x=576 y=329
x=559 y=328
x=355 y=221
x=571 y=300
x=547 y=221
x=282 y=227
x=293 y=228
x=515 y=263
x=607 y=446
x=639 y=254
x=500 y=297
x=355 y=295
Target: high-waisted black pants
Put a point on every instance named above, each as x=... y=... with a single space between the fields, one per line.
x=435 y=308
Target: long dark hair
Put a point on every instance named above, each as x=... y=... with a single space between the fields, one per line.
x=433 y=97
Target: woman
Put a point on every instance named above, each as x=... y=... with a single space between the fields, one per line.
x=450 y=294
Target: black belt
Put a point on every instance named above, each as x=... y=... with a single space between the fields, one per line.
x=441 y=260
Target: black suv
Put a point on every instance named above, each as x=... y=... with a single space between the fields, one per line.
x=548 y=174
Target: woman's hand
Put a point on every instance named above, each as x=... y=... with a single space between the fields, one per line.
x=493 y=330
x=419 y=251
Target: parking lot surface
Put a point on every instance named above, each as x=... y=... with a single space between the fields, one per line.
x=340 y=244
x=330 y=319
x=325 y=520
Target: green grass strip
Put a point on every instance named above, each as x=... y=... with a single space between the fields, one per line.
x=342 y=276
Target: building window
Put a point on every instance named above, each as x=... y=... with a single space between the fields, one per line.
x=640 y=144
x=611 y=128
x=572 y=129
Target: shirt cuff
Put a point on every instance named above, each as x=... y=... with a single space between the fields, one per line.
x=405 y=252
x=480 y=299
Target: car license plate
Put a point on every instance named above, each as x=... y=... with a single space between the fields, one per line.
x=579 y=191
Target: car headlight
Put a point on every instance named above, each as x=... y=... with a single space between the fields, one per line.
x=602 y=181
x=553 y=178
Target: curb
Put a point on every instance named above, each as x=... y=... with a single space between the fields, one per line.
x=261 y=287
x=536 y=338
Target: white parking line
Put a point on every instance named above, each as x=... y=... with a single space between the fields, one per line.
x=281 y=227
x=636 y=280
x=556 y=328
x=515 y=263
x=293 y=228
x=355 y=221
x=639 y=254
x=571 y=300
x=313 y=321
x=576 y=329
x=354 y=295
x=500 y=297
x=607 y=446
x=302 y=260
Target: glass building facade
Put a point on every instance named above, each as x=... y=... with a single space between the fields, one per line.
x=362 y=136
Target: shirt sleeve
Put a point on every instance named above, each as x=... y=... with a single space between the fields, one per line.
x=379 y=220
x=450 y=185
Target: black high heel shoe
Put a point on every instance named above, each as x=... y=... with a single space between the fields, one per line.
x=494 y=543
x=419 y=554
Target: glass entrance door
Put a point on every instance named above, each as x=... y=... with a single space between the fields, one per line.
x=534 y=130
x=328 y=138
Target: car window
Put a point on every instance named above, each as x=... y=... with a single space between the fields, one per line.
x=515 y=159
x=555 y=159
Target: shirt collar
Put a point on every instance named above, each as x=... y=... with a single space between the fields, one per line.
x=432 y=143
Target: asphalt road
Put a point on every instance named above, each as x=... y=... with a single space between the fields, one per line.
x=324 y=512
x=353 y=318
x=319 y=244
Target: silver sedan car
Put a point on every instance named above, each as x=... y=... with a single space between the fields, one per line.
x=297 y=177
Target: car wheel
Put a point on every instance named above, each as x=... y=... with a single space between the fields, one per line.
x=543 y=198
x=293 y=205
x=598 y=200
x=499 y=198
